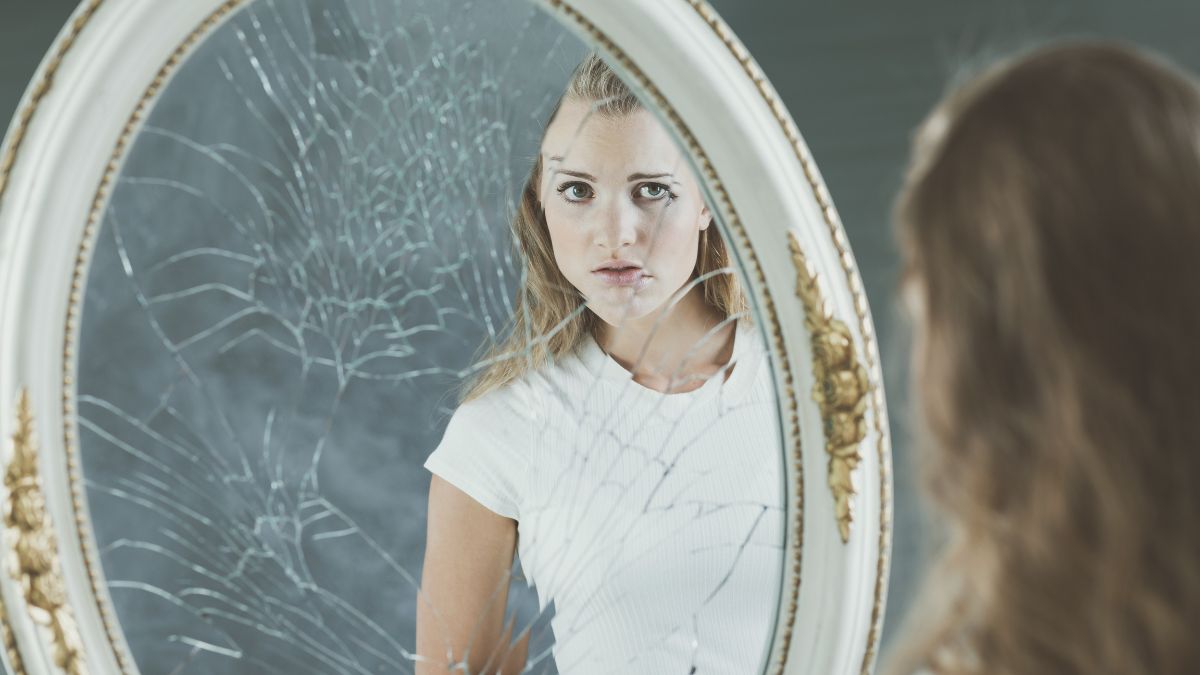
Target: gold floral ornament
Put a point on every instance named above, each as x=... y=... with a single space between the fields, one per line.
x=33 y=551
x=840 y=390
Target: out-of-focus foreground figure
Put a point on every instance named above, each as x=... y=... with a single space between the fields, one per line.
x=1051 y=228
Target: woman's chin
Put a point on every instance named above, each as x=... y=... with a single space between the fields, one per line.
x=622 y=311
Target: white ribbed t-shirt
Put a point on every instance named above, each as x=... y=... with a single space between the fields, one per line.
x=653 y=521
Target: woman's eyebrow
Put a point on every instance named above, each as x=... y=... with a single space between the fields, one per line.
x=651 y=176
x=557 y=159
x=632 y=177
x=577 y=174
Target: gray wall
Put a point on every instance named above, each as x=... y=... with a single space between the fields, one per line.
x=857 y=77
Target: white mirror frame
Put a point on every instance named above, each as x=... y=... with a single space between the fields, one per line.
x=67 y=143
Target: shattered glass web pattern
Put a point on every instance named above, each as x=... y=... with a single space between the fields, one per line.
x=306 y=247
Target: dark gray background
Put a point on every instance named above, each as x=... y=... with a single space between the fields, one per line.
x=857 y=77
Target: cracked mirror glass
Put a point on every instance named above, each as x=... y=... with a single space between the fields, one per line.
x=410 y=344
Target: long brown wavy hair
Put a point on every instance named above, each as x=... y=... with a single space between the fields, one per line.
x=1050 y=223
x=549 y=319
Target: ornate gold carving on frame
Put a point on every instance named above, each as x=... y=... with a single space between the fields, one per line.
x=33 y=550
x=840 y=390
x=10 y=642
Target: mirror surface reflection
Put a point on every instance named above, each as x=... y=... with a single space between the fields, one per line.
x=410 y=340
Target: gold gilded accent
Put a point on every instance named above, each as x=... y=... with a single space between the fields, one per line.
x=34 y=563
x=10 y=642
x=841 y=388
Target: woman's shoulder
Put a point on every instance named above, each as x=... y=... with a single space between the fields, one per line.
x=523 y=395
x=510 y=400
x=499 y=416
x=484 y=447
x=556 y=372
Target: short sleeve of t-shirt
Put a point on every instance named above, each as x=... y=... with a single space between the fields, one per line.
x=483 y=451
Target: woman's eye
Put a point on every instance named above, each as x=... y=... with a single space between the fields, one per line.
x=575 y=192
x=654 y=191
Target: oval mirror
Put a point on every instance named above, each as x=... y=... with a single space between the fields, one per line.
x=415 y=336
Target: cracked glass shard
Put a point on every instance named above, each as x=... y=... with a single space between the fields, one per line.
x=307 y=255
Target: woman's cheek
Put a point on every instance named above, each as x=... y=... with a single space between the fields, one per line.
x=678 y=248
x=568 y=251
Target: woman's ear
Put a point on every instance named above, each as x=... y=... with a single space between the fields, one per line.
x=705 y=218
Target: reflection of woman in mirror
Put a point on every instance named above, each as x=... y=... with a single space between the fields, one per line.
x=626 y=281
x=1051 y=225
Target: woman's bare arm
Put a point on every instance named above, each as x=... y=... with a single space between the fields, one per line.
x=464 y=587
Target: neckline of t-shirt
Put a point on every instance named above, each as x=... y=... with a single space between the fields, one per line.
x=605 y=367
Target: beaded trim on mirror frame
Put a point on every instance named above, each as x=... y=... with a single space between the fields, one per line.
x=78 y=500
x=870 y=351
x=25 y=116
x=839 y=388
x=837 y=234
x=32 y=548
x=15 y=140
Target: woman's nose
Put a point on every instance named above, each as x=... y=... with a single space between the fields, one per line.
x=618 y=225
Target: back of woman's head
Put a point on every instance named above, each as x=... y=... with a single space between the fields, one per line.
x=1051 y=226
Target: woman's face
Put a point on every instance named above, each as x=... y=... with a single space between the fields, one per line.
x=623 y=210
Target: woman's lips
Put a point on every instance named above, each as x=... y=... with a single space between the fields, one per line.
x=623 y=276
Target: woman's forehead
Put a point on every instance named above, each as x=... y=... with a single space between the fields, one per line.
x=584 y=140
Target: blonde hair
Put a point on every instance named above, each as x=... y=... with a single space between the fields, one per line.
x=549 y=320
x=1051 y=226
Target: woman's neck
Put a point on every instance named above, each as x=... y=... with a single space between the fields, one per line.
x=672 y=353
